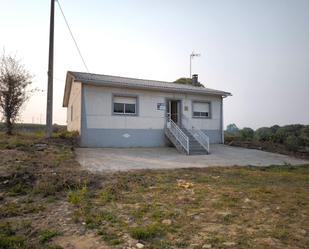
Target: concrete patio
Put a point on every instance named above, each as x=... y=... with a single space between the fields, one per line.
x=124 y=159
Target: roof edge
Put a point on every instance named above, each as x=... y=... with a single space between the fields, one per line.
x=67 y=88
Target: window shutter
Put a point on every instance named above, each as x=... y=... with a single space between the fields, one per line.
x=200 y=107
x=125 y=100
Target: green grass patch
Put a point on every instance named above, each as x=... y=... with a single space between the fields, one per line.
x=147 y=232
x=47 y=235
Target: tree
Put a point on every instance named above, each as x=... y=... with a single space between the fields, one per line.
x=232 y=128
x=187 y=81
x=14 y=79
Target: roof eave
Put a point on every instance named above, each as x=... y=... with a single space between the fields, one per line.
x=67 y=89
x=154 y=88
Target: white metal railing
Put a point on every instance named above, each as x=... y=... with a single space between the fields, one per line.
x=181 y=137
x=199 y=135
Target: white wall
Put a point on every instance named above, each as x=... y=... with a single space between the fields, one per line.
x=75 y=101
x=98 y=108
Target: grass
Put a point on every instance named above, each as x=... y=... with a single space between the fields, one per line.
x=46 y=235
x=148 y=232
x=238 y=207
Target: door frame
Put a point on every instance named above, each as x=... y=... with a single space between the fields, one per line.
x=179 y=109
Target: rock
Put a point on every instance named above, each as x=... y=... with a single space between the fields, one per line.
x=229 y=243
x=247 y=200
x=206 y=246
x=40 y=147
x=167 y=222
x=139 y=245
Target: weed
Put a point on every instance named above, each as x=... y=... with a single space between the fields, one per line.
x=18 y=189
x=9 y=239
x=12 y=209
x=147 y=232
x=110 y=237
x=78 y=197
x=47 y=235
x=110 y=193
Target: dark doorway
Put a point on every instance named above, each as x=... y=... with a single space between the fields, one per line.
x=173 y=108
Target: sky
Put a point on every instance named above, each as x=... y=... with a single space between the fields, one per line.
x=256 y=49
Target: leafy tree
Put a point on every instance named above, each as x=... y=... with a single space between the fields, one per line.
x=232 y=128
x=14 y=79
x=187 y=81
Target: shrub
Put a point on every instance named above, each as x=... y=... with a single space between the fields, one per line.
x=293 y=143
x=247 y=133
x=264 y=134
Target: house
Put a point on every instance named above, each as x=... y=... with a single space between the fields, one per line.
x=112 y=111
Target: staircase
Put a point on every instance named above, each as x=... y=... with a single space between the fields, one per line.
x=195 y=148
x=190 y=141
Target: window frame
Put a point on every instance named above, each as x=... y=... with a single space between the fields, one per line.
x=203 y=102
x=124 y=113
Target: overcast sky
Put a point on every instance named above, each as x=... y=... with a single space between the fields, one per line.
x=257 y=50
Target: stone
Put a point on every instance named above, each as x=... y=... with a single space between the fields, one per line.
x=206 y=246
x=229 y=243
x=167 y=222
x=247 y=200
x=139 y=245
x=40 y=147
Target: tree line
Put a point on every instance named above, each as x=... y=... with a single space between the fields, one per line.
x=294 y=137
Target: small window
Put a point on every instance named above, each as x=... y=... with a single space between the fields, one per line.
x=124 y=105
x=201 y=109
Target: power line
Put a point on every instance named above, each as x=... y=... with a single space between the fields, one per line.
x=65 y=19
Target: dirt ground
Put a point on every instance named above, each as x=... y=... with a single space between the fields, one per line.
x=47 y=200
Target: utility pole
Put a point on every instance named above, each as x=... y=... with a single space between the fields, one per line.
x=191 y=57
x=49 y=108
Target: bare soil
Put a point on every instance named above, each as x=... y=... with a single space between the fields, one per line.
x=48 y=201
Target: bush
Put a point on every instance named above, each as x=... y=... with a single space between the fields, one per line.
x=293 y=143
x=247 y=133
x=264 y=134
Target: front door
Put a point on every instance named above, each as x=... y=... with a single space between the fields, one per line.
x=173 y=110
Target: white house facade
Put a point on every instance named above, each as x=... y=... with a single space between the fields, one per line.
x=111 y=111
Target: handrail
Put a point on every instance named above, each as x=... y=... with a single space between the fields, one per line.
x=199 y=135
x=181 y=137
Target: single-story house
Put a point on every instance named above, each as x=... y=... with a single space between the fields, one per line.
x=112 y=111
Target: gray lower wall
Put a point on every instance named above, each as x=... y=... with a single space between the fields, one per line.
x=122 y=138
x=215 y=136
x=132 y=137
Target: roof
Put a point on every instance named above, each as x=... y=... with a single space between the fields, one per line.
x=124 y=82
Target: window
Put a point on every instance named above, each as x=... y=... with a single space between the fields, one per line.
x=201 y=109
x=124 y=105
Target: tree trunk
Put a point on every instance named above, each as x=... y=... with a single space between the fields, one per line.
x=9 y=126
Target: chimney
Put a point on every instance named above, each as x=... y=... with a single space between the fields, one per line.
x=195 y=79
